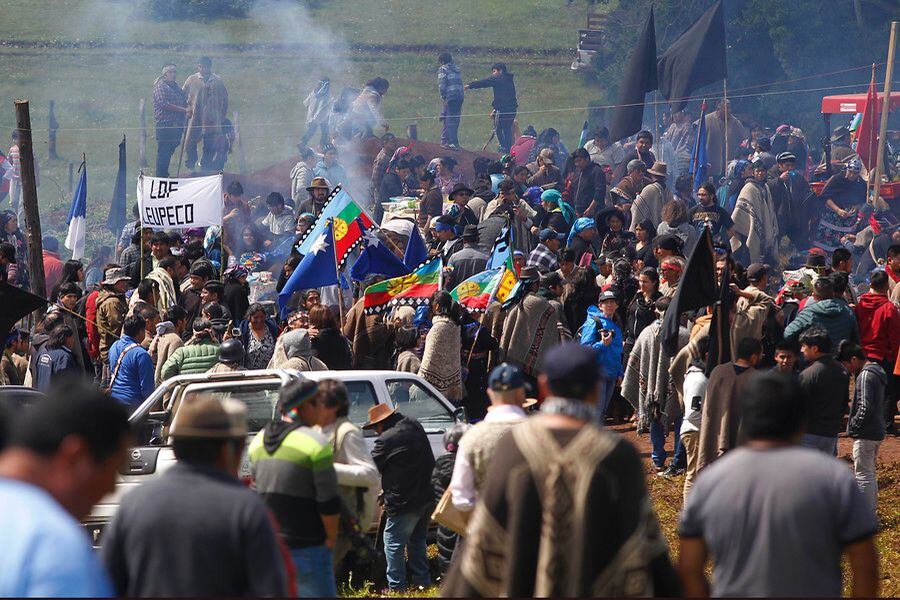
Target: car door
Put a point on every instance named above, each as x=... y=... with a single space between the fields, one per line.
x=414 y=399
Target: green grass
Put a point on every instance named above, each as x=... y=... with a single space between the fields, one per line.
x=97 y=90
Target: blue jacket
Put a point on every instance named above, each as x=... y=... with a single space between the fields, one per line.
x=50 y=364
x=610 y=357
x=134 y=381
x=833 y=314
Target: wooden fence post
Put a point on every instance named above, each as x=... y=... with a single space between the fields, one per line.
x=53 y=125
x=30 y=203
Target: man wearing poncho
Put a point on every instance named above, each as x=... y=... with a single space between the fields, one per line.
x=755 y=221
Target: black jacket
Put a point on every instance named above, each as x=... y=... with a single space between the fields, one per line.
x=826 y=385
x=404 y=459
x=867 y=410
x=332 y=348
x=587 y=186
x=446 y=538
x=504 y=91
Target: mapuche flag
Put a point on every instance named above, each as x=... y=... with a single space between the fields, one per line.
x=349 y=222
x=414 y=289
x=479 y=290
x=639 y=79
x=695 y=59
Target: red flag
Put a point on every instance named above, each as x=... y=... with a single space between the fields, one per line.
x=867 y=134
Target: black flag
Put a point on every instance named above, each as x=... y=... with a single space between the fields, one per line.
x=639 y=79
x=17 y=304
x=719 y=329
x=695 y=59
x=696 y=289
x=116 y=220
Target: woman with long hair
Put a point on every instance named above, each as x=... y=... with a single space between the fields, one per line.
x=73 y=272
x=643 y=248
x=328 y=343
x=441 y=360
x=258 y=334
x=676 y=221
x=446 y=176
x=641 y=311
x=10 y=232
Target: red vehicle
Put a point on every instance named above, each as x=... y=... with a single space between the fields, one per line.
x=851 y=104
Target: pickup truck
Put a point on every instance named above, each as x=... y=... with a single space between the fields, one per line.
x=259 y=390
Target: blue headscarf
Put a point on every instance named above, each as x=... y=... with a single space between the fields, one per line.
x=555 y=197
x=579 y=226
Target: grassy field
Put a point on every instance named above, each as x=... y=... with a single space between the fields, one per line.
x=98 y=58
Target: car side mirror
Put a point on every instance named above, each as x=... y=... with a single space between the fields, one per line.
x=459 y=415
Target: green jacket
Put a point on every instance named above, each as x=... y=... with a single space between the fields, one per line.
x=190 y=359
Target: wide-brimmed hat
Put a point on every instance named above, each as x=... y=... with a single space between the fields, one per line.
x=470 y=233
x=840 y=132
x=659 y=168
x=319 y=182
x=610 y=211
x=377 y=414
x=816 y=259
x=529 y=273
x=460 y=187
x=547 y=155
x=206 y=417
x=115 y=275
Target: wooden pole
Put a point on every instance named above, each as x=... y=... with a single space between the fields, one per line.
x=337 y=272
x=71 y=178
x=184 y=135
x=53 y=125
x=885 y=109
x=30 y=202
x=242 y=158
x=142 y=146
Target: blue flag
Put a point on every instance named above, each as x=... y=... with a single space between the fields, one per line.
x=117 y=217
x=699 y=157
x=416 y=252
x=317 y=269
x=377 y=258
x=584 y=135
x=78 y=217
x=501 y=249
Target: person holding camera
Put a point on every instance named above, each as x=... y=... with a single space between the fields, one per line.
x=602 y=333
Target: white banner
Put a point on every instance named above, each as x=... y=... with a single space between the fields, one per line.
x=167 y=203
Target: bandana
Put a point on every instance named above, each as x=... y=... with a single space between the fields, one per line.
x=579 y=226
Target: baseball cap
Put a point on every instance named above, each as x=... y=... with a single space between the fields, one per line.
x=757 y=271
x=506 y=377
x=549 y=234
x=571 y=369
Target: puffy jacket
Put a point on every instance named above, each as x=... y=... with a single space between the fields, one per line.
x=866 y=420
x=111 y=309
x=834 y=315
x=879 y=327
x=52 y=364
x=610 y=357
x=504 y=91
x=191 y=359
x=450 y=83
x=134 y=380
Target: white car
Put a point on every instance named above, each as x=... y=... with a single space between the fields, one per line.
x=259 y=391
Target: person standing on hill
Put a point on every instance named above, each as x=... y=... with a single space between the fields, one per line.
x=505 y=103
x=208 y=99
x=170 y=110
x=450 y=86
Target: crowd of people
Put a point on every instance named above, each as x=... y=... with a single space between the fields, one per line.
x=554 y=503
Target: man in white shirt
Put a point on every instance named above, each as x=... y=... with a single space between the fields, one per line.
x=506 y=389
x=603 y=151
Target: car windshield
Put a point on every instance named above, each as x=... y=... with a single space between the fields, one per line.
x=362 y=396
x=415 y=400
x=259 y=399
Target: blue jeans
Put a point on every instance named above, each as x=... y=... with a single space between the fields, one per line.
x=450 y=117
x=658 y=452
x=407 y=531
x=315 y=572
x=609 y=386
x=826 y=444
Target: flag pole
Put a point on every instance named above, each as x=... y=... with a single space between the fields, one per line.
x=725 y=126
x=141 y=228
x=870 y=199
x=696 y=154
x=885 y=109
x=337 y=274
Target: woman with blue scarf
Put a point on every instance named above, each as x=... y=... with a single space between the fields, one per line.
x=556 y=213
x=581 y=238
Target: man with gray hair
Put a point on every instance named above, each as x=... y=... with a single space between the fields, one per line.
x=170 y=111
x=631 y=185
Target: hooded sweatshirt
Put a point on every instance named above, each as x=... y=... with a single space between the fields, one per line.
x=879 y=327
x=866 y=420
x=293 y=470
x=832 y=314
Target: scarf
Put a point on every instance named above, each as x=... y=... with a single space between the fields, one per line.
x=565 y=208
x=579 y=226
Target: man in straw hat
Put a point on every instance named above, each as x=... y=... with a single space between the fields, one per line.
x=403 y=456
x=294 y=472
x=218 y=539
x=318 y=190
x=649 y=202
